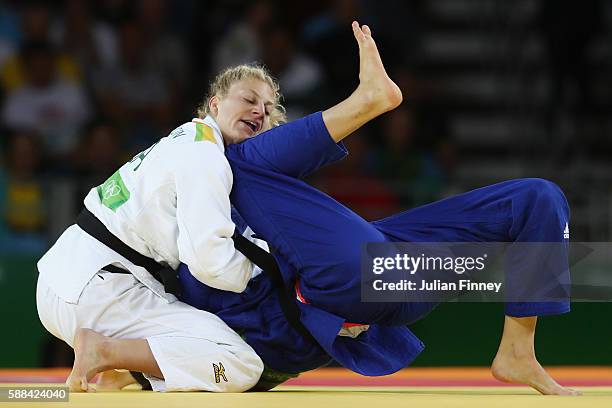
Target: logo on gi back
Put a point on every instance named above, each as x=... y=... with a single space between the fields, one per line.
x=113 y=193
x=110 y=189
x=219 y=372
x=566 y=231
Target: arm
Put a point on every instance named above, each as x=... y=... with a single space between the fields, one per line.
x=296 y=149
x=203 y=183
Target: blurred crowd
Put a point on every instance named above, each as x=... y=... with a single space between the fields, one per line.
x=85 y=85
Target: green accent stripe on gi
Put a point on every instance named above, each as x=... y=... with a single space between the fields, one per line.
x=204 y=132
x=113 y=193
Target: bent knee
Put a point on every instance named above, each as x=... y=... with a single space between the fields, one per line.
x=55 y=315
x=240 y=373
x=544 y=190
x=540 y=185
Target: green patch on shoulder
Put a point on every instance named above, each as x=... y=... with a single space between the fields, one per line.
x=113 y=193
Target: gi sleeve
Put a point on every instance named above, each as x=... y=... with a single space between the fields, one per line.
x=296 y=149
x=203 y=183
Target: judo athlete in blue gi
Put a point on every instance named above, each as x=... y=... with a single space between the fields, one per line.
x=317 y=241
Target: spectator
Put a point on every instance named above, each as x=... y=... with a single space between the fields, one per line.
x=411 y=168
x=100 y=155
x=45 y=103
x=23 y=196
x=327 y=39
x=133 y=93
x=35 y=28
x=300 y=77
x=90 y=42
x=9 y=31
x=242 y=43
x=165 y=51
x=351 y=181
x=9 y=23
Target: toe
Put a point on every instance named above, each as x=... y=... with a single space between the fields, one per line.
x=84 y=384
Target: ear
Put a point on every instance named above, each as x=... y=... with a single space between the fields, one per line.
x=213 y=105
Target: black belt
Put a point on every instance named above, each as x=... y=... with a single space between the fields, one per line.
x=286 y=295
x=116 y=269
x=168 y=277
x=162 y=273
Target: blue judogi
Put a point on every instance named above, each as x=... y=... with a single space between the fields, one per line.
x=317 y=243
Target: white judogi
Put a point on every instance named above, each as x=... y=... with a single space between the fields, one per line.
x=170 y=203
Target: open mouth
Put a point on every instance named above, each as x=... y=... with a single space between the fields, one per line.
x=252 y=125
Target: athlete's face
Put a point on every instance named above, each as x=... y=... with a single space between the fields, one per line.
x=245 y=111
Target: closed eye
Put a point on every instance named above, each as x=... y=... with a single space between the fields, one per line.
x=252 y=101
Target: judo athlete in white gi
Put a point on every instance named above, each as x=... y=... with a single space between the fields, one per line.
x=169 y=203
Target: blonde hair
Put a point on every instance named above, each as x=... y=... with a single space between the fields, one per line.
x=223 y=82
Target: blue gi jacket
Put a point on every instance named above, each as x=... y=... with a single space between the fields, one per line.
x=268 y=167
x=318 y=241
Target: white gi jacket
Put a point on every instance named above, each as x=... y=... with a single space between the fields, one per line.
x=170 y=203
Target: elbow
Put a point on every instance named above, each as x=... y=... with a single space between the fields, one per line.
x=236 y=287
x=220 y=280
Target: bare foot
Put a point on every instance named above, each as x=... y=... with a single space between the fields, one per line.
x=114 y=380
x=511 y=369
x=89 y=359
x=375 y=86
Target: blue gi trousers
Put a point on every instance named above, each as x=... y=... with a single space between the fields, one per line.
x=318 y=240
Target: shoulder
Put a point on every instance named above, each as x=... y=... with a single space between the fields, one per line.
x=191 y=146
x=198 y=131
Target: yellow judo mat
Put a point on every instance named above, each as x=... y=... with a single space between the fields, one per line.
x=355 y=391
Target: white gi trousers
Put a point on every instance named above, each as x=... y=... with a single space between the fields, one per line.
x=194 y=349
